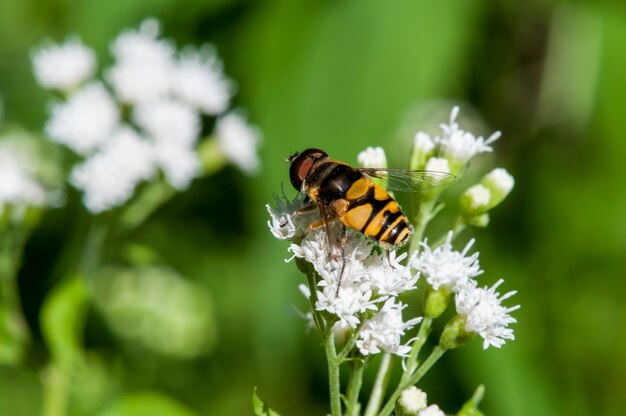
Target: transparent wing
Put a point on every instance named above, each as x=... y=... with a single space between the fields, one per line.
x=406 y=180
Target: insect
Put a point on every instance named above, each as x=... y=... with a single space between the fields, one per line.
x=349 y=194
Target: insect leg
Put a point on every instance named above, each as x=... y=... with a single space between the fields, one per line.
x=342 y=243
x=300 y=211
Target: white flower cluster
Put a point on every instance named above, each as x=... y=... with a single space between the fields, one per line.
x=166 y=92
x=455 y=145
x=18 y=185
x=455 y=271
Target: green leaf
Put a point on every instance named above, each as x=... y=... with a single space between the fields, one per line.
x=62 y=317
x=260 y=408
x=147 y=404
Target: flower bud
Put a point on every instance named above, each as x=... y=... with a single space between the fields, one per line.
x=481 y=221
x=475 y=201
x=454 y=334
x=438 y=164
x=423 y=147
x=500 y=183
x=372 y=157
x=436 y=301
x=411 y=401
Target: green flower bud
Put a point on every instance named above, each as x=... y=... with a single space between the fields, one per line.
x=436 y=301
x=410 y=402
x=500 y=183
x=454 y=334
x=475 y=201
x=479 y=220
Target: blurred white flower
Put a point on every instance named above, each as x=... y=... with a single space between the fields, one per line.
x=179 y=163
x=500 y=183
x=438 y=164
x=169 y=122
x=423 y=143
x=476 y=199
x=18 y=186
x=85 y=120
x=484 y=313
x=432 y=410
x=238 y=140
x=63 y=67
x=144 y=64
x=109 y=177
x=198 y=80
x=412 y=400
x=372 y=157
x=158 y=309
x=445 y=267
x=384 y=331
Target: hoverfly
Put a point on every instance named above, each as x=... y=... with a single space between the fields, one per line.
x=348 y=194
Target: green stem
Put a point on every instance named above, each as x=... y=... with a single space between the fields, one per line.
x=333 y=372
x=92 y=248
x=380 y=386
x=425 y=213
x=55 y=399
x=354 y=387
x=436 y=353
x=317 y=318
x=457 y=228
x=422 y=336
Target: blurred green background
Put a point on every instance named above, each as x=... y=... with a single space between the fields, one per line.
x=343 y=75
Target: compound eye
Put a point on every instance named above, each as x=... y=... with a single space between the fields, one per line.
x=301 y=165
x=299 y=170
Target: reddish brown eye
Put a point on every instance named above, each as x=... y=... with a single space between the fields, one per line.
x=301 y=165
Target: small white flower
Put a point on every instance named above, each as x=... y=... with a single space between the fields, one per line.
x=412 y=400
x=144 y=64
x=484 y=313
x=285 y=221
x=458 y=145
x=438 y=164
x=384 y=331
x=388 y=276
x=423 y=143
x=85 y=120
x=65 y=66
x=169 y=121
x=445 y=267
x=238 y=140
x=372 y=157
x=109 y=177
x=179 y=163
x=200 y=82
x=432 y=410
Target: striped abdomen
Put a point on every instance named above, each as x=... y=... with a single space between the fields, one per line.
x=358 y=202
x=376 y=214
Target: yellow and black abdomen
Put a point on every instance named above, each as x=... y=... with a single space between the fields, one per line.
x=358 y=202
x=376 y=214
